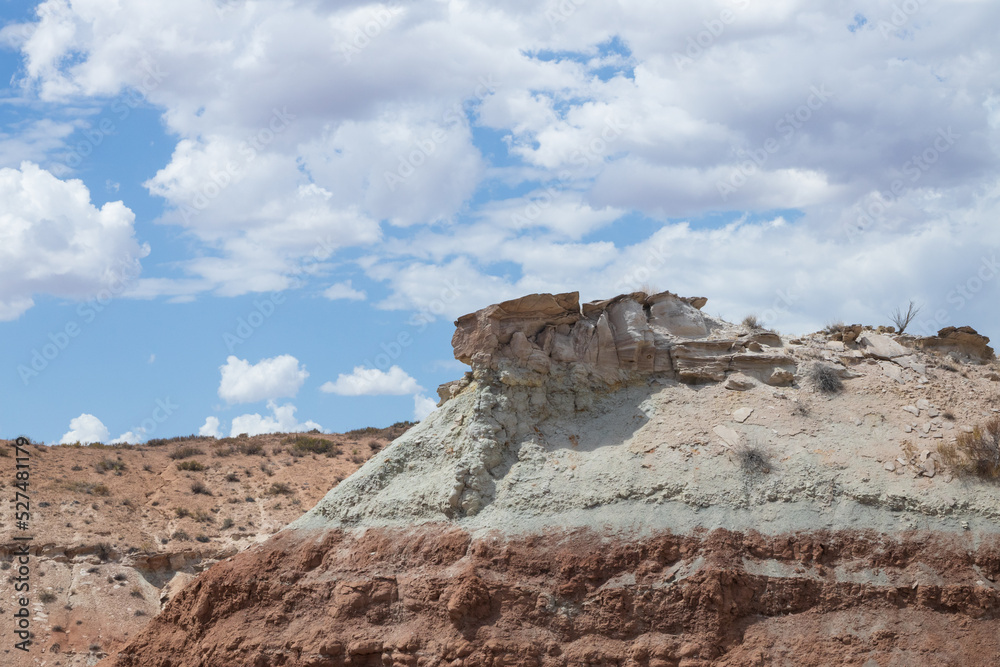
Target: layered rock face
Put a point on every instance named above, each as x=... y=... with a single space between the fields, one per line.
x=610 y=342
x=632 y=482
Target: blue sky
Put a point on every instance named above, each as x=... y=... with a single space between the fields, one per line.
x=347 y=180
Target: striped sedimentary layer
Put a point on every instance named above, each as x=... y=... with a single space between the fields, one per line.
x=585 y=495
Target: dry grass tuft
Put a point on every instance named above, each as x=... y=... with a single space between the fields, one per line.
x=975 y=454
x=826 y=379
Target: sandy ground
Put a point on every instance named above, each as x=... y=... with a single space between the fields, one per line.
x=113 y=526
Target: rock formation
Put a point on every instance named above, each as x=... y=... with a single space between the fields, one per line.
x=632 y=482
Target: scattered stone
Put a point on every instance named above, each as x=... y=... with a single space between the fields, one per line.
x=890 y=466
x=909 y=361
x=739 y=382
x=924 y=404
x=851 y=333
x=781 y=378
x=912 y=409
x=728 y=435
x=881 y=347
x=908 y=429
x=892 y=371
x=742 y=414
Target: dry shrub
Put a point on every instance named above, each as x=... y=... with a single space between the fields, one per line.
x=975 y=454
x=825 y=378
x=184 y=452
x=753 y=457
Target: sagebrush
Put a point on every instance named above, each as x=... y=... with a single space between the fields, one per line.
x=975 y=454
x=826 y=378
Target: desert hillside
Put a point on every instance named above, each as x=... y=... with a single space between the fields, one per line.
x=633 y=482
x=119 y=529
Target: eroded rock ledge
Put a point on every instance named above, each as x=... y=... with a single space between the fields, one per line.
x=603 y=344
x=613 y=341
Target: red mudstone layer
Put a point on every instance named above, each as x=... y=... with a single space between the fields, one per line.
x=435 y=596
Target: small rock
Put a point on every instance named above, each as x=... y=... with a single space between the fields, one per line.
x=889 y=465
x=926 y=428
x=892 y=371
x=781 y=378
x=908 y=429
x=739 y=382
x=882 y=347
x=742 y=414
x=932 y=412
x=729 y=436
x=924 y=404
x=912 y=409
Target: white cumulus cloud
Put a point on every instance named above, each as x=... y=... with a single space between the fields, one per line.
x=373 y=382
x=343 y=290
x=127 y=438
x=281 y=420
x=422 y=406
x=85 y=429
x=277 y=377
x=210 y=429
x=53 y=240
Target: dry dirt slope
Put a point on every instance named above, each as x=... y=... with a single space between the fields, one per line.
x=114 y=526
x=631 y=482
